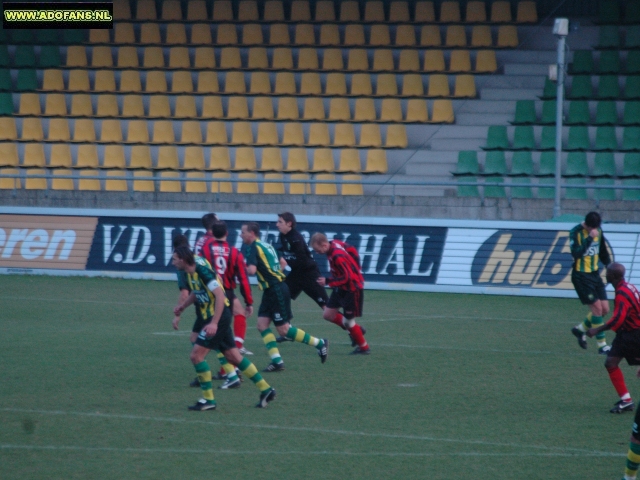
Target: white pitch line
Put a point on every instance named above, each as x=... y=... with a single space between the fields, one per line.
x=289 y=452
x=424 y=438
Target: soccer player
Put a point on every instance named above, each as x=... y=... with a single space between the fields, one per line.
x=229 y=263
x=207 y=222
x=347 y=283
x=588 y=246
x=262 y=261
x=207 y=293
x=625 y=321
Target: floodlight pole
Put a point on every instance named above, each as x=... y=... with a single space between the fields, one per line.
x=562 y=36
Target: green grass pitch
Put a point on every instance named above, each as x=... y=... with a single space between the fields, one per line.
x=93 y=385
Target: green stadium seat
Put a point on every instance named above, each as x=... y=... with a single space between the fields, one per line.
x=632 y=11
x=578 y=113
x=547 y=165
x=25 y=56
x=631 y=165
x=549 y=112
x=606 y=113
x=633 y=61
x=604 y=193
x=606 y=139
x=5 y=80
x=495 y=163
x=608 y=87
x=632 y=37
x=5 y=60
x=467 y=190
x=22 y=36
x=49 y=57
x=496 y=191
x=525 y=112
x=609 y=62
x=6 y=103
x=523 y=191
x=632 y=87
x=523 y=138
x=522 y=164
x=581 y=87
x=497 y=138
x=576 y=165
x=74 y=37
x=548 y=138
x=582 y=62
x=631 y=194
x=578 y=138
x=631 y=139
x=546 y=191
x=47 y=36
x=609 y=12
x=609 y=37
x=604 y=165
x=467 y=163
x=27 y=80
x=576 y=193
x=550 y=89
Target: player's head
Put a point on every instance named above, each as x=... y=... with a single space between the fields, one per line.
x=219 y=229
x=593 y=220
x=286 y=222
x=207 y=220
x=182 y=257
x=615 y=273
x=320 y=243
x=180 y=241
x=250 y=232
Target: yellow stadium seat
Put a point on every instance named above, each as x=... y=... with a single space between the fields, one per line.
x=329 y=34
x=156 y=82
x=328 y=188
x=387 y=85
x=460 y=61
x=450 y=12
x=212 y=107
x=123 y=33
x=465 y=86
x=299 y=188
x=273 y=11
x=288 y=108
x=352 y=188
x=153 y=57
x=374 y=11
x=325 y=11
x=32 y=183
x=245 y=160
x=121 y=10
x=221 y=187
x=101 y=57
x=507 y=36
x=354 y=35
x=405 y=35
x=241 y=133
x=313 y=109
x=105 y=81
x=476 y=12
x=59 y=130
x=195 y=186
x=33 y=155
x=391 y=111
x=167 y=158
x=349 y=11
x=89 y=183
x=88 y=156
x=323 y=160
x=60 y=156
x=29 y=104
x=417 y=111
x=181 y=82
x=430 y=36
x=235 y=82
x=304 y=34
x=84 y=130
x=32 y=129
x=486 y=61
x=481 y=36
x=376 y=161
x=8 y=130
x=409 y=60
x=399 y=12
x=292 y=134
x=248 y=11
x=412 y=85
x=238 y=108
x=159 y=106
x=383 y=60
x=424 y=12
x=357 y=60
x=76 y=56
x=501 y=12
x=279 y=34
x=62 y=183
x=208 y=82
x=271 y=160
x=442 y=111
x=193 y=158
x=332 y=59
x=361 y=84
x=130 y=81
x=297 y=160
x=115 y=185
x=527 y=12
x=339 y=109
x=336 y=84
x=143 y=185
x=438 y=86
x=456 y=36
x=81 y=105
x=79 y=81
x=370 y=135
x=127 y=57
x=245 y=186
x=262 y=108
x=197 y=10
x=200 y=34
x=310 y=84
x=140 y=157
x=434 y=61
x=171 y=10
x=349 y=161
x=52 y=80
x=230 y=58
x=260 y=83
x=204 y=58
x=146 y=10
x=137 y=131
x=185 y=107
x=319 y=135
x=285 y=83
x=273 y=188
x=111 y=131
x=307 y=59
x=222 y=11
x=219 y=159
x=252 y=34
x=365 y=110
x=300 y=11
x=132 y=106
x=396 y=136
x=179 y=57
x=282 y=59
x=150 y=33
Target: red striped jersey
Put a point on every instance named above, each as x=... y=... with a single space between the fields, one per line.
x=229 y=263
x=626 y=312
x=345 y=267
x=197 y=248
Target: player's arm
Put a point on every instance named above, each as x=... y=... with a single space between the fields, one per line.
x=341 y=273
x=252 y=259
x=181 y=307
x=578 y=251
x=604 y=255
x=212 y=327
x=620 y=311
x=184 y=293
x=243 y=279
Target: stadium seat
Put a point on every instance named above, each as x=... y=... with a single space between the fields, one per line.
x=352 y=188
x=208 y=82
x=62 y=183
x=609 y=62
x=449 y=12
x=631 y=165
x=283 y=59
x=455 y=36
x=245 y=160
x=501 y=12
x=156 y=82
x=582 y=62
x=27 y=80
x=399 y=12
x=140 y=157
x=376 y=161
x=521 y=164
x=279 y=34
x=361 y=83
x=230 y=58
x=159 y=106
x=548 y=112
x=433 y=61
x=525 y=112
x=137 y=131
x=424 y=12
x=92 y=184
x=219 y=159
x=150 y=33
x=328 y=188
x=339 y=109
x=606 y=113
x=357 y=59
x=465 y=86
x=248 y=11
x=396 y=136
x=430 y=36
x=241 y=133
x=191 y=132
x=324 y=11
x=576 y=165
x=273 y=11
x=523 y=191
x=104 y=81
x=59 y=130
x=608 y=87
x=632 y=36
x=167 y=158
x=49 y=56
x=578 y=138
x=383 y=60
x=329 y=35
x=200 y=34
x=467 y=163
x=132 y=106
x=633 y=62
x=319 y=135
x=438 y=86
x=349 y=161
x=631 y=139
x=235 y=82
x=405 y=36
x=322 y=161
x=307 y=59
x=632 y=87
x=332 y=59
x=527 y=12
x=288 y=108
x=481 y=36
x=297 y=160
x=222 y=11
x=29 y=104
x=101 y=57
x=197 y=10
x=475 y=12
x=84 y=130
x=604 y=165
x=390 y=111
x=179 y=57
x=336 y=84
x=523 y=138
x=578 y=113
x=410 y=61
x=507 y=36
x=442 y=111
x=32 y=183
x=292 y=134
x=460 y=61
x=581 y=88
x=374 y=11
x=497 y=138
x=576 y=193
x=6 y=104
x=146 y=10
x=212 y=107
x=32 y=129
x=123 y=33
x=486 y=61
x=129 y=81
x=8 y=129
x=304 y=35
x=286 y=83
x=127 y=57
x=354 y=35
x=267 y=134
x=412 y=85
x=606 y=138
x=259 y=83
x=631 y=115
x=495 y=163
x=60 y=156
x=271 y=160
x=609 y=37
x=370 y=136
x=76 y=56
x=252 y=34
x=494 y=191
x=87 y=157
x=608 y=12
x=467 y=190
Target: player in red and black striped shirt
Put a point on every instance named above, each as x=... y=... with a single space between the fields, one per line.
x=347 y=283
x=625 y=321
x=230 y=265
x=207 y=221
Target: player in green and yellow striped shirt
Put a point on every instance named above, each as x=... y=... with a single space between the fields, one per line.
x=588 y=248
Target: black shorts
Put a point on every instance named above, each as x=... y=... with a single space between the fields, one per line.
x=307 y=282
x=626 y=345
x=589 y=287
x=199 y=323
x=231 y=295
x=276 y=304
x=351 y=302
x=634 y=429
x=223 y=339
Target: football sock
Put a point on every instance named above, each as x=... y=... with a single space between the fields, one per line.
x=239 y=329
x=270 y=342
x=339 y=320
x=600 y=337
x=298 y=335
x=633 y=459
x=204 y=377
x=586 y=323
x=229 y=370
x=358 y=336
x=250 y=370
x=615 y=374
